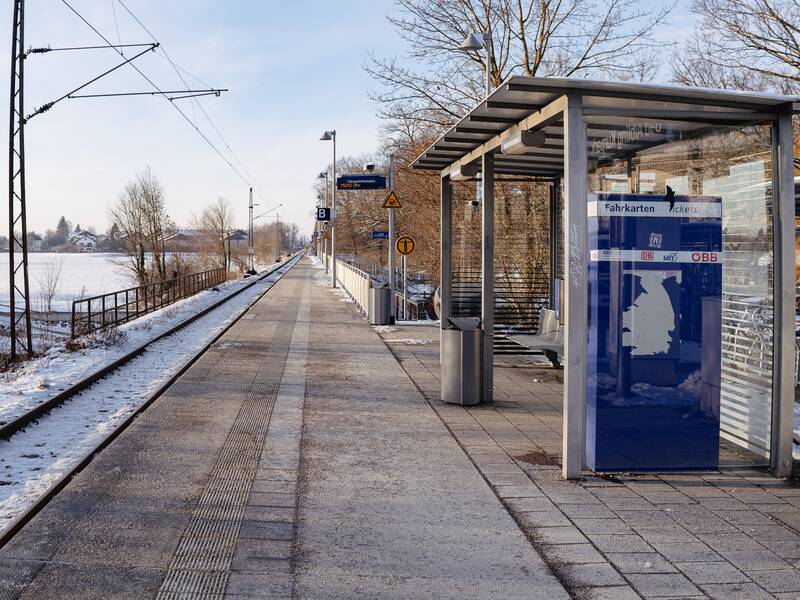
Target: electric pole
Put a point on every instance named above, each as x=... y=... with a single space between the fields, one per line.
x=250 y=241
x=19 y=291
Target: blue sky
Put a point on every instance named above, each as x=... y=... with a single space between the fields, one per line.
x=293 y=68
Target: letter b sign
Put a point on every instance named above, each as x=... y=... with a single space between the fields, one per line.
x=323 y=214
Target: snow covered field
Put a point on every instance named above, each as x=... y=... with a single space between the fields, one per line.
x=34 y=459
x=81 y=275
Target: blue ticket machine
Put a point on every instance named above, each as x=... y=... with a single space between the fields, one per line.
x=653 y=372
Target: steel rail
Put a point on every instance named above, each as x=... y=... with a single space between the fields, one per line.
x=23 y=518
x=25 y=419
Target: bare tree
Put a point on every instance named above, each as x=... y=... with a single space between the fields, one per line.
x=573 y=38
x=49 y=280
x=743 y=44
x=142 y=221
x=216 y=225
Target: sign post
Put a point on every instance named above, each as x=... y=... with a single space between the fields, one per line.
x=405 y=287
x=392 y=302
x=405 y=246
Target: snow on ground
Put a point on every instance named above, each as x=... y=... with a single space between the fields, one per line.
x=82 y=274
x=35 y=458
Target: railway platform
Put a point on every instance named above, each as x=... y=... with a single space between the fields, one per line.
x=296 y=458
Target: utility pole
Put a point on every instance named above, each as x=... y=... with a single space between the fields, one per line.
x=278 y=236
x=250 y=238
x=392 y=302
x=19 y=291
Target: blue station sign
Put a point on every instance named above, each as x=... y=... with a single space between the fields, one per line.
x=361 y=182
x=380 y=235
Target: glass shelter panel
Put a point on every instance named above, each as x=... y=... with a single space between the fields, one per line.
x=681 y=294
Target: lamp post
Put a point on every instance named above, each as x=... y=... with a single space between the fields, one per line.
x=328 y=136
x=476 y=41
x=324 y=175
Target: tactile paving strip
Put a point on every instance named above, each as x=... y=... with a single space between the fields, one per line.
x=201 y=565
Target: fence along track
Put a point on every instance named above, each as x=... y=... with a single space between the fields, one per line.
x=122 y=306
x=57 y=486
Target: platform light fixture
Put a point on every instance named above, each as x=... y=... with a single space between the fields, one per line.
x=523 y=142
x=475 y=42
x=464 y=172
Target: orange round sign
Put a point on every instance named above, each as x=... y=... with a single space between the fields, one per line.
x=404 y=244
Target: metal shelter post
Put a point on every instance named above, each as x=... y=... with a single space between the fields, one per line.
x=445 y=254
x=575 y=288
x=487 y=277
x=784 y=296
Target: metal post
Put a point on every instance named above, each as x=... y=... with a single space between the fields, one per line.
x=487 y=277
x=553 y=242
x=278 y=236
x=333 y=216
x=392 y=304
x=784 y=295
x=18 y=288
x=250 y=233
x=575 y=288
x=487 y=42
x=324 y=228
x=445 y=254
x=405 y=287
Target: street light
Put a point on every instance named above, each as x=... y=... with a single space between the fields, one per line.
x=477 y=41
x=321 y=228
x=329 y=136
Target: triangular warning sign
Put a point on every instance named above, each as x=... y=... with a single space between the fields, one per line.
x=391 y=201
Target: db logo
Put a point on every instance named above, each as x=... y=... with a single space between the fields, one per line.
x=648 y=255
x=704 y=257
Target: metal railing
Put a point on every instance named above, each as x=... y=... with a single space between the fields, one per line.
x=417 y=306
x=354 y=274
x=115 y=308
x=356 y=283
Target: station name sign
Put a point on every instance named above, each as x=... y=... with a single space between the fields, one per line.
x=361 y=182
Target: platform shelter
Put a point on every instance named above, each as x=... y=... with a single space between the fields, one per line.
x=675 y=282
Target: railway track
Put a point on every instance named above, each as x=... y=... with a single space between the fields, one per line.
x=20 y=424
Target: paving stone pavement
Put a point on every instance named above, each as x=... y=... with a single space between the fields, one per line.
x=730 y=534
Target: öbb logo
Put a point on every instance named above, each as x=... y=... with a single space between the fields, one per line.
x=647 y=255
x=704 y=257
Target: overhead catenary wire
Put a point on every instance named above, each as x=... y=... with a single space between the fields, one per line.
x=191 y=123
x=178 y=70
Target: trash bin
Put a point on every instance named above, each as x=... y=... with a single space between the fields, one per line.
x=461 y=361
x=379 y=298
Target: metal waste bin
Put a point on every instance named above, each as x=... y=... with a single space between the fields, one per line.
x=379 y=298
x=461 y=361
